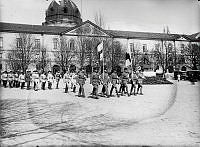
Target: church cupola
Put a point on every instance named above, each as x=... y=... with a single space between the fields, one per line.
x=64 y=13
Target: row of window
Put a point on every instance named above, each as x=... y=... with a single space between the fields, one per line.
x=38 y=44
x=19 y=43
x=132 y=49
x=157 y=46
x=56 y=44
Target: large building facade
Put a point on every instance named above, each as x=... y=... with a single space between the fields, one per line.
x=64 y=41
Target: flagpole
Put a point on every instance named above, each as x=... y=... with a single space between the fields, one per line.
x=103 y=59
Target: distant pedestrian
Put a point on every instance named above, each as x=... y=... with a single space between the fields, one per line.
x=50 y=79
x=57 y=77
x=4 y=78
x=22 y=80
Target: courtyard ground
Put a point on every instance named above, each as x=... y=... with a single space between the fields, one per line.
x=164 y=115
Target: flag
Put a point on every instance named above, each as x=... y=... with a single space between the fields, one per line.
x=100 y=50
x=128 y=59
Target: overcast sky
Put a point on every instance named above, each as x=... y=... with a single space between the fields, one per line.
x=181 y=16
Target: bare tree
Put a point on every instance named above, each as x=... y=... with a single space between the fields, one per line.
x=22 y=53
x=43 y=59
x=159 y=56
x=192 y=55
x=63 y=55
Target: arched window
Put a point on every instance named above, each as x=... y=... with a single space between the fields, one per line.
x=51 y=9
x=71 y=45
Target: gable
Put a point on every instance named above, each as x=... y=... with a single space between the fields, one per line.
x=87 y=29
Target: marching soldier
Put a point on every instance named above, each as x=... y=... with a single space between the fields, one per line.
x=36 y=80
x=22 y=79
x=81 y=82
x=50 y=79
x=105 y=80
x=11 y=79
x=95 y=80
x=28 y=80
x=66 y=80
x=114 y=80
x=57 y=77
x=4 y=78
x=16 y=79
x=134 y=79
x=140 y=81
x=73 y=77
x=43 y=79
x=124 y=80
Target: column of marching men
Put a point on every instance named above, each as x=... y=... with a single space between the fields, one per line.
x=35 y=80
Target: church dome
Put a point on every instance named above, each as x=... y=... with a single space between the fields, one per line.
x=64 y=13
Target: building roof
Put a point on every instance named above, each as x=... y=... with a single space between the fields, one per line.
x=35 y=29
x=39 y=29
x=142 y=35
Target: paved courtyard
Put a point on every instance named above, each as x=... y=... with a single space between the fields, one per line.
x=164 y=115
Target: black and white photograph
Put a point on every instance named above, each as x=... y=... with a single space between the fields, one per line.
x=100 y=73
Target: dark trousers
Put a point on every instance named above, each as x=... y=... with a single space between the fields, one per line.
x=34 y=85
x=11 y=84
x=124 y=86
x=66 y=88
x=43 y=85
x=105 y=89
x=95 y=89
x=28 y=85
x=22 y=85
x=17 y=84
x=74 y=88
x=49 y=85
x=4 y=83
x=81 y=90
x=57 y=83
x=133 y=86
x=139 y=88
x=111 y=90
